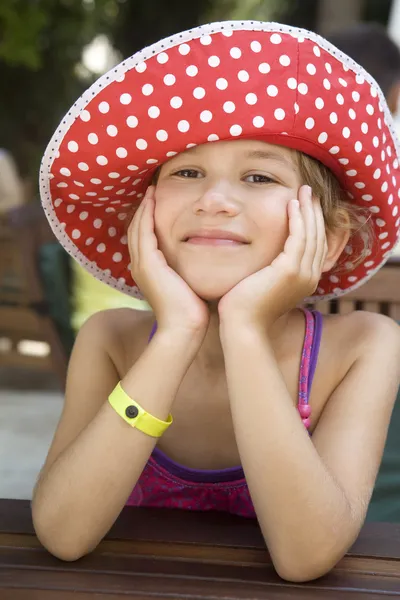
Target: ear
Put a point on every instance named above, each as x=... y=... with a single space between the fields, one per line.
x=337 y=240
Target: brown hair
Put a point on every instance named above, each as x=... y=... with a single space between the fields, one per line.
x=338 y=209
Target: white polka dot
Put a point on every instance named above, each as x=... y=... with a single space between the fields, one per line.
x=251 y=98
x=328 y=67
x=101 y=248
x=93 y=138
x=310 y=123
x=235 y=52
x=279 y=114
x=296 y=107
x=65 y=171
x=395 y=211
x=342 y=82
x=319 y=103
x=192 y=71
x=221 y=83
x=73 y=196
x=73 y=146
x=370 y=109
x=120 y=78
x=317 y=51
x=132 y=122
x=117 y=257
x=356 y=96
x=311 y=69
x=104 y=107
x=351 y=173
x=327 y=84
x=214 y=61
x=206 y=115
x=383 y=236
x=184 y=49
x=83 y=216
x=169 y=79
x=374 y=92
x=380 y=222
x=352 y=114
x=346 y=132
x=255 y=46
x=141 y=67
x=264 y=68
x=101 y=160
x=322 y=138
x=339 y=99
x=212 y=137
x=112 y=130
x=205 y=40
x=83 y=166
x=147 y=89
x=385 y=245
x=352 y=278
x=367 y=197
x=375 y=141
x=97 y=223
x=258 y=122
x=303 y=88
x=368 y=160
x=292 y=83
x=112 y=232
x=162 y=135
x=198 y=93
x=125 y=99
x=153 y=112
x=333 y=118
x=171 y=153
x=284 y=60
x=243 y=76
x=358 y=146
x=344 y=161
x=183 y=126
x=334 y=150
x=76 y=234
x=85 y=115
x=276 y=38
x=235 y=130
x=121 y=152
x=114 y=175
x=360 y=79
x=62 y=184
x=162 y=58
x=272 y=90
x=141 y=144
x=377 y=173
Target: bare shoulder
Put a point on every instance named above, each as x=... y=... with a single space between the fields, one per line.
x=122 y=332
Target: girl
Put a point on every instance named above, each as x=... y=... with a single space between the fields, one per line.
x=263 y=166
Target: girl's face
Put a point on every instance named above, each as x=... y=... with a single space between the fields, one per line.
x=240 y=187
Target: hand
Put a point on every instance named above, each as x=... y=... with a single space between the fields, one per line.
x=263 y=297
x=174 y=303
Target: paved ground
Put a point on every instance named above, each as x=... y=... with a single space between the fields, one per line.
x=30 y=406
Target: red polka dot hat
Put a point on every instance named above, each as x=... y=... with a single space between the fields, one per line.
x=220 y=81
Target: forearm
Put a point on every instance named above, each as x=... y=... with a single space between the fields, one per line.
x=304 y=515
x=77 y=500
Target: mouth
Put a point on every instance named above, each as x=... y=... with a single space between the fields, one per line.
x=214 y=237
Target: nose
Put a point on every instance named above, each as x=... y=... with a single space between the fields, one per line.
x=217 y=199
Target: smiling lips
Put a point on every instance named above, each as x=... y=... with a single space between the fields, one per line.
x=215 y=237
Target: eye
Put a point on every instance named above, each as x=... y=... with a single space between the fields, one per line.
x=188 y=173
x=257 y=178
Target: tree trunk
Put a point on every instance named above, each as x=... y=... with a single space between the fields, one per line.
x=334 y=14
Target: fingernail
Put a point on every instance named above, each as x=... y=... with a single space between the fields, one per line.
x=309 y=190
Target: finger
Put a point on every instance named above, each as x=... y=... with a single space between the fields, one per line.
x=147 y=240
x=307 y=209
x=322 y=246
x=295 y=242
x=133 y=229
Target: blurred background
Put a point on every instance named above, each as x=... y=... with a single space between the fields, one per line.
x=50 y=52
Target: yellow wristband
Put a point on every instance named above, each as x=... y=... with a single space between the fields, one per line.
x=135 y=415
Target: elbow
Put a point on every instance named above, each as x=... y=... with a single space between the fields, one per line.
x=302 y=573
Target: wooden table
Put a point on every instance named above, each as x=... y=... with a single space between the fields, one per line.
x=158 y=553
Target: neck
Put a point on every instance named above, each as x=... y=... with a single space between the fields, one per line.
x=210 y=358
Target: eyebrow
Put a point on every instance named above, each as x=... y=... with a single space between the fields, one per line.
x=264 y=155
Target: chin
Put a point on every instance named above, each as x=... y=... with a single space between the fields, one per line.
x=211 y=287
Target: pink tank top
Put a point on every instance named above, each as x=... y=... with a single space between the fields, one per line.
x=165 y=483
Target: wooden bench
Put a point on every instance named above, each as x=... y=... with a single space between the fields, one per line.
x=24 y=313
